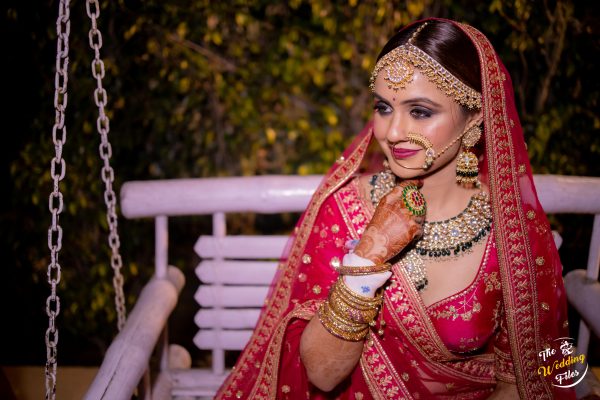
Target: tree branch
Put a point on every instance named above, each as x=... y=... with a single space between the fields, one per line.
x=561 y=17
x=224 y=64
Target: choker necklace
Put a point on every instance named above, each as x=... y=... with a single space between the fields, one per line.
x=445 y=240
x=441 y=240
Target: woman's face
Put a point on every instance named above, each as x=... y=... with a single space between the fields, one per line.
x=419 y=108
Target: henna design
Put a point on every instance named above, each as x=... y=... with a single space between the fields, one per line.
x=391 y=229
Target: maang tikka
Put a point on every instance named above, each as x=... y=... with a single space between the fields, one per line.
x=467 y=169
x=399 y=65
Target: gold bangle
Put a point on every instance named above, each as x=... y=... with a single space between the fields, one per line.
x=341 y=322
x=341 y=330
x=355 y=298
x=346 y=314
x=353 y=314
x=337 y=296
x=364 y=270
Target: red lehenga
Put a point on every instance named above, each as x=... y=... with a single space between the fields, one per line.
x=457 y=348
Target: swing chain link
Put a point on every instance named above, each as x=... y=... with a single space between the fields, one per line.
x=55 y=200
x=107 y=172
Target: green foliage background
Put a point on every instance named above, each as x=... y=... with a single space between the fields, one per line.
x=201 y=88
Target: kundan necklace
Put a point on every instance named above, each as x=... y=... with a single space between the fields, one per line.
x=441 y=240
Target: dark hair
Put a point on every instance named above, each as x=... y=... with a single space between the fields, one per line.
x=447 y=44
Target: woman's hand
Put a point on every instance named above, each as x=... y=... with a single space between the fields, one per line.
x=392 y=227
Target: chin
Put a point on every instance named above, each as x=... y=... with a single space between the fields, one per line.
x=404 y=173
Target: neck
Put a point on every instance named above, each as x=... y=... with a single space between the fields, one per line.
x=445 y=198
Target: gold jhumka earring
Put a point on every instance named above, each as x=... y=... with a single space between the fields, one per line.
x=467 y=169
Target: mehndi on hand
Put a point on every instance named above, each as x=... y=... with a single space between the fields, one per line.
x=398 y=219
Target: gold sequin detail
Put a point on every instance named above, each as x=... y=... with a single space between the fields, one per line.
x=256 y=365
x=565 y=324
x=316 y=289
x=540 y=261
x=359 y=396
x=306 y=259
x=341 y=159
x=335 y=262
x=285 y=389
x=302 y=277
x=405 y=376
x=545 y=306
x=522 y=168
x=531 y=214
x=239 y=394
x=335 y=228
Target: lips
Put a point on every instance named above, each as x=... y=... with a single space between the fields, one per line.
x=400 y=153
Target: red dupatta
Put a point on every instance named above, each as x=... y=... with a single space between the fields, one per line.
x=530 y=269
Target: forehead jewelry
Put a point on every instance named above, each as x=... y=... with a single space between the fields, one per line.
x=399 y=67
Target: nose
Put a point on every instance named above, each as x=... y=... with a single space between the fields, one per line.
x=396 y=131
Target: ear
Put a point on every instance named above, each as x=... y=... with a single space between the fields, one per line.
x=473 y=119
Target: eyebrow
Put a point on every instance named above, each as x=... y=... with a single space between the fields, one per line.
x=411 y=101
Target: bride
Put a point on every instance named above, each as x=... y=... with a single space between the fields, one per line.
x=434 y=276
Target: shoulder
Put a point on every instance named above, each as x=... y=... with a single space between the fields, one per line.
x=351 y=197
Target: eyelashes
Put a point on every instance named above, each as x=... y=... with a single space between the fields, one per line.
x=417 y=112
x=420 y=113
x=382 y=108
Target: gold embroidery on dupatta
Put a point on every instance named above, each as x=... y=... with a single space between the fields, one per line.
x=305 y=311
x=522 y=314
x=266 y=383
x=379 y=373
x=373 y=388
x=355 y=215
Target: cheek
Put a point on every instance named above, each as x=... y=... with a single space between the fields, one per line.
x=379 y=127
x=379 y=130
x=440 y=132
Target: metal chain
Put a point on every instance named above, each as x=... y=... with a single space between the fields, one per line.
x=107 y=173
x=55 y=200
